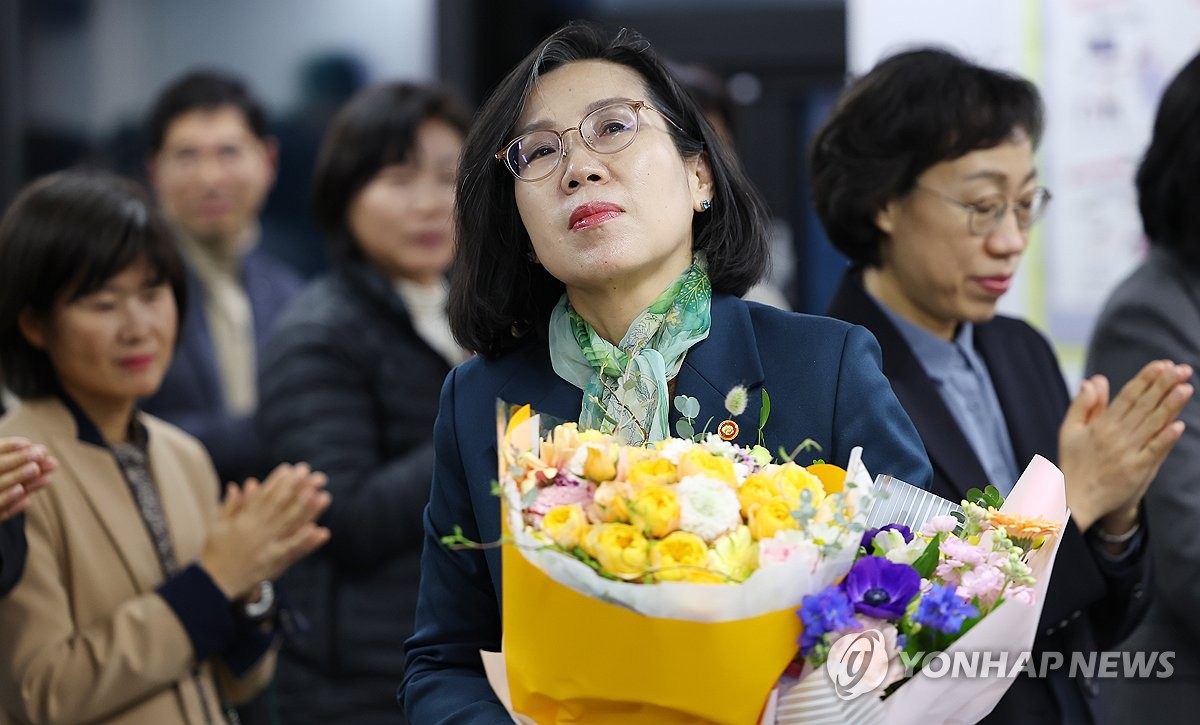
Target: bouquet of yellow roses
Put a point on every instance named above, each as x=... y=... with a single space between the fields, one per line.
x=659 y=584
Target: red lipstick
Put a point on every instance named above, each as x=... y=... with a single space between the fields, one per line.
x=593 y=214
x=136 y=362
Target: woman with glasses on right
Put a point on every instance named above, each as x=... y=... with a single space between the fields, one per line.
x=924 y=176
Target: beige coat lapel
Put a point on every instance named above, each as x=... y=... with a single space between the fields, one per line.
x=104 y=488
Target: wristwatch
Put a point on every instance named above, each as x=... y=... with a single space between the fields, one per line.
x=259 y=610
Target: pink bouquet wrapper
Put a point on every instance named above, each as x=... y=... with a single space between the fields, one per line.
x=1010 y=628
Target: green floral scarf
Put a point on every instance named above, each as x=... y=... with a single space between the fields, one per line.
x=625 y=386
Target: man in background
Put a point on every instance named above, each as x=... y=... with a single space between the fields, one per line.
x=211 y=163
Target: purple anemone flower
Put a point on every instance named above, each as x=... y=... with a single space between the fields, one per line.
x=869 y=534
x=879 y=588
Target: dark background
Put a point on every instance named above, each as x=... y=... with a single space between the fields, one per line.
x=788 y=57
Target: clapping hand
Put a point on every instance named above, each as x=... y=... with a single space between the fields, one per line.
x=24 y=468
x=263 y=528
x=1110 y=452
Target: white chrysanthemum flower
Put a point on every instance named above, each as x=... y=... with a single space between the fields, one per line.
x=708 y=508
x=674 y=448
x=736 y=400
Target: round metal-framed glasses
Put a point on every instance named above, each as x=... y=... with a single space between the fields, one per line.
x=535 y=155
x=986 y=215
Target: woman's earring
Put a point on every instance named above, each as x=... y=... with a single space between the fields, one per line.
x=531 y=256
x=705 y=205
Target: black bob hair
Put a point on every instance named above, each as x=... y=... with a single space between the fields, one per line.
x=910 y=112
x=63 y=237
x=376 y=128
x=497 y=293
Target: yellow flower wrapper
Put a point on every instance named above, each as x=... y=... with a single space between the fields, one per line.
x=571 y=658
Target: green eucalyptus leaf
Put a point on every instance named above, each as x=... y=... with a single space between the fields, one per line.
x=684 y=428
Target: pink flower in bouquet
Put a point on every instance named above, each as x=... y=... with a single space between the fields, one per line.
x=939 y=525
x=786 y=546
x=960 y=557
x=566 y=490
x=983 y=583
x=1022 y=594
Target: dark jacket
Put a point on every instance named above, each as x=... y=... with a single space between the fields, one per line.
x=1154 y=314
x=12 y=552
x=191 y=395
x=12 y=547
x=1092 y=602
x=348 y=385
x=825 y=383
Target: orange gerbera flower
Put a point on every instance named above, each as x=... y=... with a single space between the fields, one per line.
x=1026 y=528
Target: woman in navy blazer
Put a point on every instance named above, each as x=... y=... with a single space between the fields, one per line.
x=914 y=175
x=612 y=211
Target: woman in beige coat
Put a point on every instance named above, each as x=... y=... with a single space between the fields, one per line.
x=143 y=599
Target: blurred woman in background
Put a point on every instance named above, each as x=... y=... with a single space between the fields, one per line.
x=142 y=600
x=349 y=381
x=1155 y=313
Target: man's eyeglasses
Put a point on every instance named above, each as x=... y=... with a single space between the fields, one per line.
x=607 y=130
x=986 y=215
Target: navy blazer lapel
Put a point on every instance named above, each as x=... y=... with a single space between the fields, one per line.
x=535 y=382
x=1031 y=433
x=728 y=357
x=948 y=449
